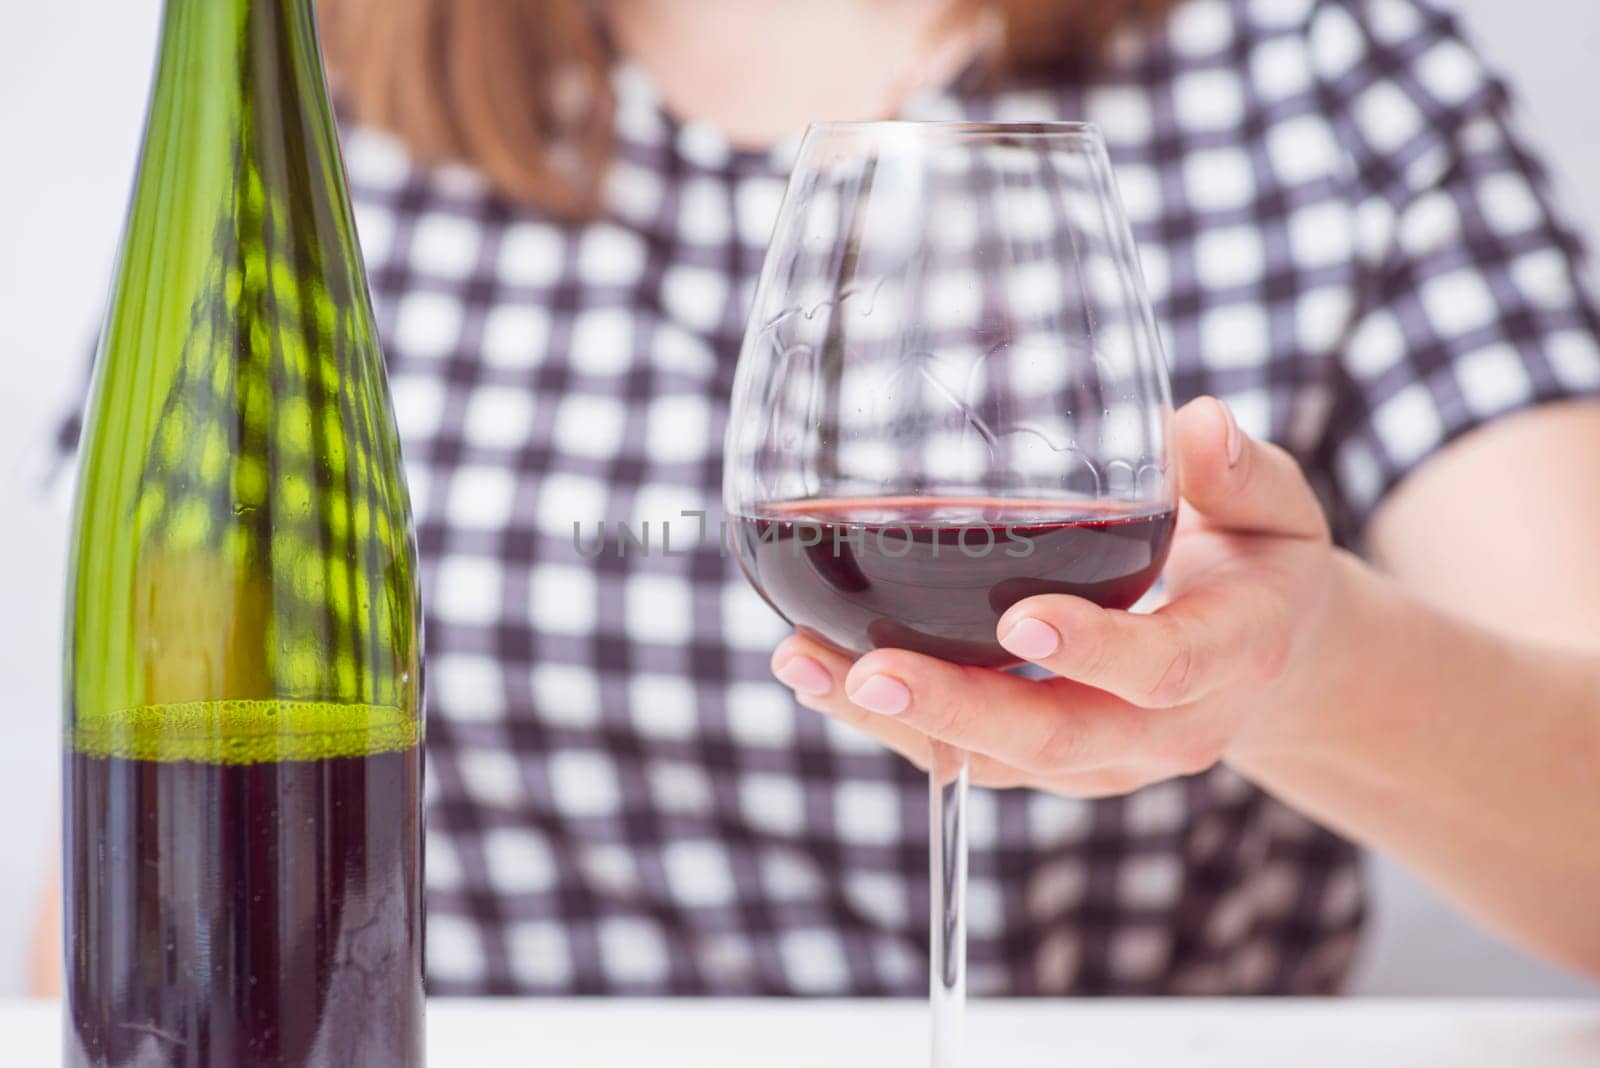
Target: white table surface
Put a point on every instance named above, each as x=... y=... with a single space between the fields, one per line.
x=845 y=1034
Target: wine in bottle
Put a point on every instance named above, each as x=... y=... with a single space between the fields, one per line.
x=243 y=847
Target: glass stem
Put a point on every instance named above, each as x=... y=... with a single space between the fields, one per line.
x=947 y=798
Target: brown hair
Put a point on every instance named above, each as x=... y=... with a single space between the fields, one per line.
x=518 y=88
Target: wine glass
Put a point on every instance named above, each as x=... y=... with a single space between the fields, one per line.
x=951 y=396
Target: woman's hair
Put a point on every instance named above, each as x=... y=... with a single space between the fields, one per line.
x=519 y=88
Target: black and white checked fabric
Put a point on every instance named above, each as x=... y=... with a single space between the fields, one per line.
x=1344 y=238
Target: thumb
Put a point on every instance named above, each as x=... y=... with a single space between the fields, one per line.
x=1238 y=483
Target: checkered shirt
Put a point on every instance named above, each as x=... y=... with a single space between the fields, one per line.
x=1344 y=238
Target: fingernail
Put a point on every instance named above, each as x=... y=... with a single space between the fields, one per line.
x=883 y=695
x=1031 y=639
x=1235 y=436
x=804 y=675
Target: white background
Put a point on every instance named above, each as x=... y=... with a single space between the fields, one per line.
x=73 y=78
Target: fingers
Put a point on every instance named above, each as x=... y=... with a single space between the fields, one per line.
x=815 y=673
x=1053 y=733
x=1024 y=723
x=1212 y=636
x=1226 y=625
x=1035 y=725
x=1153 y=661
x=1238 y=483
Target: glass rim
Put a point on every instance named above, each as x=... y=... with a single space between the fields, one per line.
x=1064 y=129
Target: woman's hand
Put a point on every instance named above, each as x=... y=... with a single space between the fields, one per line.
x=1134 y=698
x=1446 y=712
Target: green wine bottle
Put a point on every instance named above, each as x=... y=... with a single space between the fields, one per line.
x=243 y=729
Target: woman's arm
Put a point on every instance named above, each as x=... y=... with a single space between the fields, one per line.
x=1450 y=531
x=1470 y=751
x=1464 y=738
x=44 y=949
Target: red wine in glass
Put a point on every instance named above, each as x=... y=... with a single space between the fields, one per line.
x=951 y=319
x=934 y=574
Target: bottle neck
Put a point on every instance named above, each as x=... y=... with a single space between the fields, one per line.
x=208 y=34
x=239 y=88
x=217 y=56
x=242 y=518
x=241 y=133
